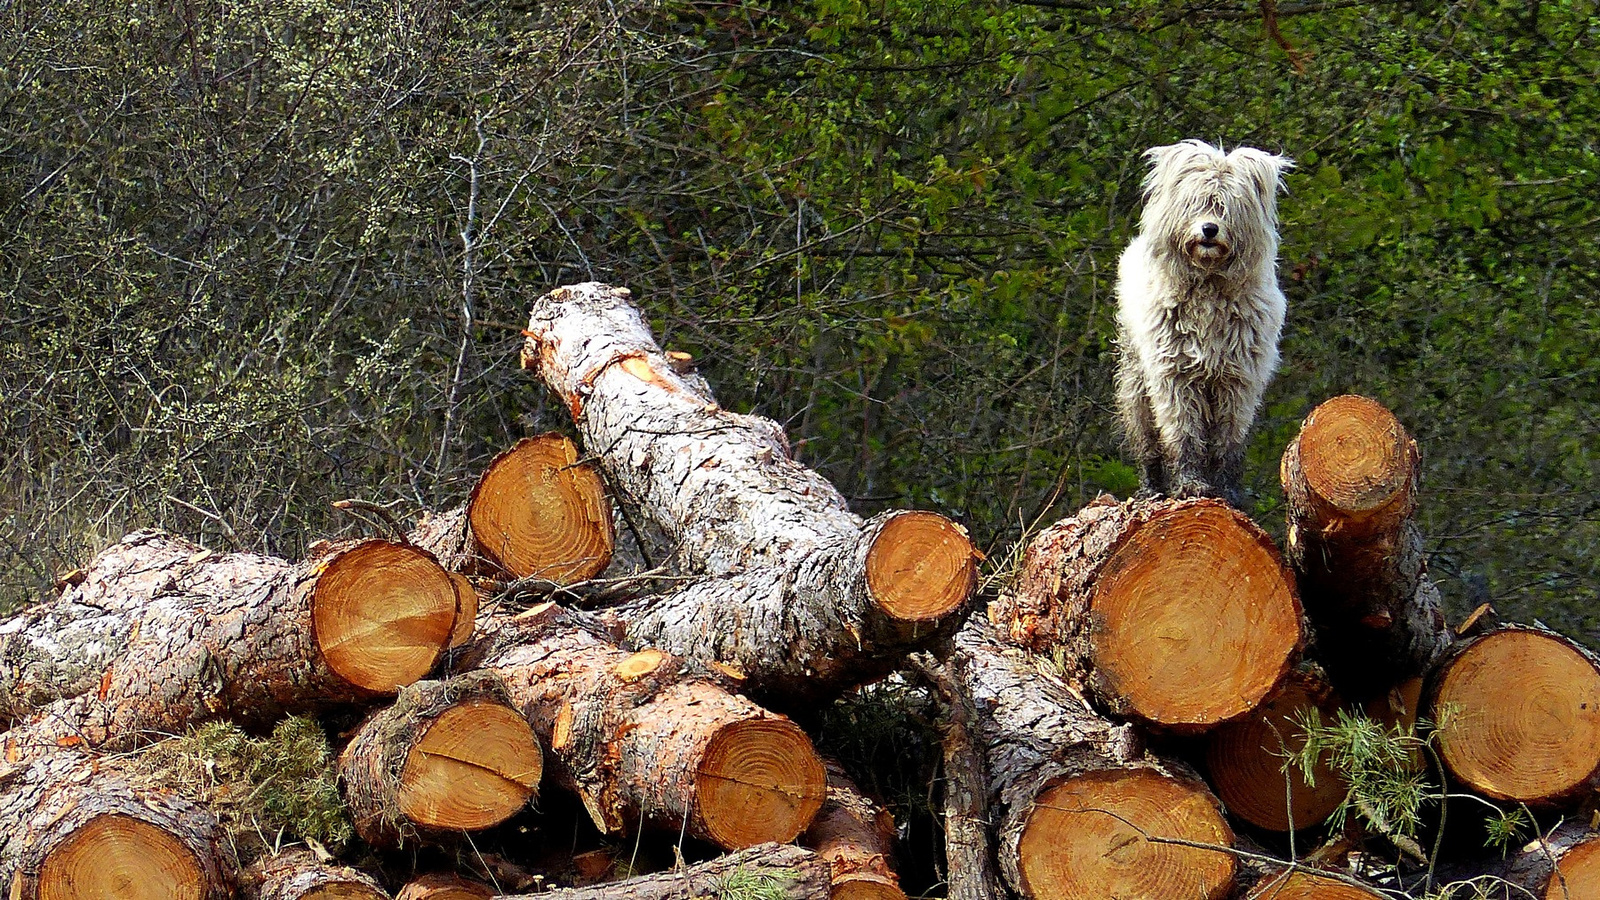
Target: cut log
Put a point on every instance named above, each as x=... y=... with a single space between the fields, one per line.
x=644 y=738
x=1517 y=713
x=162 y=635
x=769 y=871
x=1299 y=884
x=1079 y=810
x=447 y=757
x=536 y=512
x=855 y=834
x=72 y=826
x=1180 y=613
x=299 y=875
x=725 y=493
x=444 y=886
x=1565 y=865
x=1249 y=759
x=1350 y=490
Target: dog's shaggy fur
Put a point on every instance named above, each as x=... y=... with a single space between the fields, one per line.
x=1199 y=311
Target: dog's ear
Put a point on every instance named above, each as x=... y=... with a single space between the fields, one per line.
x=1264 y=169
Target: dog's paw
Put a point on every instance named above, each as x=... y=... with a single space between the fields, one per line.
x=1147 y=493
x=1186 y=488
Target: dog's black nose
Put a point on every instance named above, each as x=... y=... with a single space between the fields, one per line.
x=1209 y=229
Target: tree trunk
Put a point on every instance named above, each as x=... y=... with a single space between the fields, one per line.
x=298 y=875
x=769 y=871
x=1517 y=713
x=76 y=826
x=162 y=635
x=444 y=886
x=1349 y=483
x=536 y=512
x=843 y=597
x=642 y=738
x=447 y=757
x=1180 y=613
x=1078 y=809
x=855 y=835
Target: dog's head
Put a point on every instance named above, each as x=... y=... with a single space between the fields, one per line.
x=1212 y=208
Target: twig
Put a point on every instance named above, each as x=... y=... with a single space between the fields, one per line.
x=356 y=506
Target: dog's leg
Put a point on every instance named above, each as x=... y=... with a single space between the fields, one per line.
x=1180 y=415
x=1139 y=426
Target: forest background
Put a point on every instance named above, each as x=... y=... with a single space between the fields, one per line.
x=259 y=256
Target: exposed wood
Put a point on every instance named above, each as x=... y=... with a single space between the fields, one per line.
x=537 y=511
x=822 y=600
x=855 y=834
x=787 y=873
x=447 y=757
x=1563 y=865
x=444 y=886
x=1299 y=884
x=162 y=635
x=663 y=744
x=299 y=875
x=1249 y=759
x=1517 y=713
x=1180 y=613
x=1350 y=488
x=72 y=826
x=1075 y=802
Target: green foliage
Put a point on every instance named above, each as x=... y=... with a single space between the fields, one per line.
x=747 y=884
x=1384 y=765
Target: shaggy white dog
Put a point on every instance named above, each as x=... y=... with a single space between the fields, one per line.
x=1199 y=311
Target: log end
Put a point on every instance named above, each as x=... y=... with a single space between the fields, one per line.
x=1577 y=874
x=444 y=886
x=382 y=614
x=538 y=511
x=1518 y=715
x=1356 y=457
x=1085 y=838
x=476 y=766
x=120 y=856
x=1248 y=761
x=866 y=886
x=1195 y=618
x=921 y=567
x=466 y=610
x=1291 y=885
x=760 y=780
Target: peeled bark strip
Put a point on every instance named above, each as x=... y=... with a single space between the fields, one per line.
x=724 y=491
x=1178 y=612
x=1249 y=759
x=536 y=512
x=643 y=739
x=162 y=635
x=770 y=871
x=1302 y=885
x=74 y=826
x=297 y=875
x=444 y=886
x=1517 y=713
x=1350 y=483
x=448 y=756
x=855 y=835
x=1073 y=799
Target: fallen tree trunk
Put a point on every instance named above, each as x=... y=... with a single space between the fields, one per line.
x=447 y=757
x=644 y=739
x=74 y=826
x=1517 y=714
x=855 y=835
x=162 y=635
x=1349 y=482
x=299 y=875
x=725 y=493
x=1180 y=613
x=767 y=870
x=1079 y=810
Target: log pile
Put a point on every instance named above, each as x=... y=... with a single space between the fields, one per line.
x=641 y=627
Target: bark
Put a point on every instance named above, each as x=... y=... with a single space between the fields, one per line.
x=297 y=874
x=444 y=886
x=1350 y=490
x=648 y=738
x=792 y=872
x=75 y=821
x=1180 y=613
x=1073 y=798
x=855 y=834
x=162 y=635
x=1561 y=865
x=447 y=757
x=847 y=597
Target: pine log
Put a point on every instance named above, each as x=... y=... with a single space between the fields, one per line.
x=1177 y=612
x=1517 y=713
x=769 y=871
x=1301 y=884
x=1563 y=865
x=1350 y=489
x=648 y=738
x=845 y=597
x=73 y=826
x=855 y=834
x=537 y=511
x=1249 y=759
x=162 y=635
x=1078 y=808
x=968 y=857
x=299 y=875
x=444 y=886
x=447 y=757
